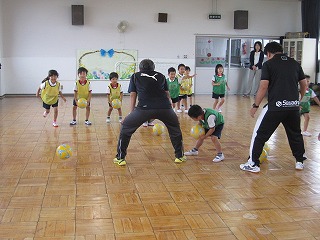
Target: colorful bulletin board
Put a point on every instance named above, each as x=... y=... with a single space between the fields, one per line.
x=101 y=62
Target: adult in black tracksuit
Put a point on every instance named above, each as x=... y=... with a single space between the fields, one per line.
x=280 y=77
x=153 y=103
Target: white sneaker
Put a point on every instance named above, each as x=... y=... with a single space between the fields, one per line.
x=306 y=134
x=120 y=119
x=150 y=124
x=299 y=165
x=218 y=158
x=87 y=122
x=45 y=114
x=249 y=167
x=186 y=111
x=108 y=120
x=145 y=124
x=55 y=124
x=191 y=153
x=219 y=110
x=73 y=122
x=179 y=111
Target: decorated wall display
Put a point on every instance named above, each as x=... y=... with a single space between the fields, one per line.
x=101 y=62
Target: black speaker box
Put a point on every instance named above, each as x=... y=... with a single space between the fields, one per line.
x=162 y=17
x=77 y=12
x=240 y=19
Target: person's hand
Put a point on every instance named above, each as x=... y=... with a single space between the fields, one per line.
x=64 y=99
x=254 y=67
x=228 y=88
x=253 y=111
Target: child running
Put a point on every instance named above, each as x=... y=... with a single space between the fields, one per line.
x=50 y=90
x=212 y=122
x=305 y=107
x=219 y=83
x=114 y=91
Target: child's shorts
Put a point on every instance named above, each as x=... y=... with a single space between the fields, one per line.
x=46 y=106
x=184 y=96
x=217 y=132
x=175 y=100
x=190 y=95
x=217 y=96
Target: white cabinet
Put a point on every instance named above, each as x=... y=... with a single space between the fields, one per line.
x=303 y=50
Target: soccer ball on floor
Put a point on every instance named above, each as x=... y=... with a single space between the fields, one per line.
x=197 y=131
x=264 y=156
x=116 y=103
x=82 y=103
x=157 y=129
x=64 y=151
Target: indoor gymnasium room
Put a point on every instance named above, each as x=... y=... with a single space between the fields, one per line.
x=74 y=90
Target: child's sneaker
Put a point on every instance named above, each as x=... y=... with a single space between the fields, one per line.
x=180 y=160
x=299 y=165
x=120 y=119
x=179 y=111
x=186 y=111
x=108 y=119
x=55 y=124
x=45 y=114
x=145 y=124
x=218 y=158
x=192 y=152
x=73 y=122
x=120 y=162
x=249 y=167
x=306 y=134
x=219 y=110
x=87 y=122
x=150 y=124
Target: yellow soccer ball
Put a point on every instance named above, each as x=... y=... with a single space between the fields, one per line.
x=264 y=156
x=197 y=131
x=185 y=85
x=157 y=129
x=266 y=147
x=64 y=151
x=116 y=103
x=82 y=103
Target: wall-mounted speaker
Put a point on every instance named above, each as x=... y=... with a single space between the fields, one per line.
x=241 y=19
x=77 y=12
x=162 y=17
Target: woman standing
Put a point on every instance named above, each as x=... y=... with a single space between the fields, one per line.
x=256 y=60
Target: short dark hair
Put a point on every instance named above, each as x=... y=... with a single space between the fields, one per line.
x=53 y=73
x=188 y=68
x=195 y=111
x=273 y=47
x=113 y=75
x=171 y=69
x=82 y=69
x=146 y=65
x=306 y=76
x=181 y=65
x=217 y=67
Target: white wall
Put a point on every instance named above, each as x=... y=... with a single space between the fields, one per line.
x=38 y=35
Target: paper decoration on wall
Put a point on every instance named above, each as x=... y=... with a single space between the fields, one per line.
x=101 y=62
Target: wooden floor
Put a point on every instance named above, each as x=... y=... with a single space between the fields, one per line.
x=89 y=197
